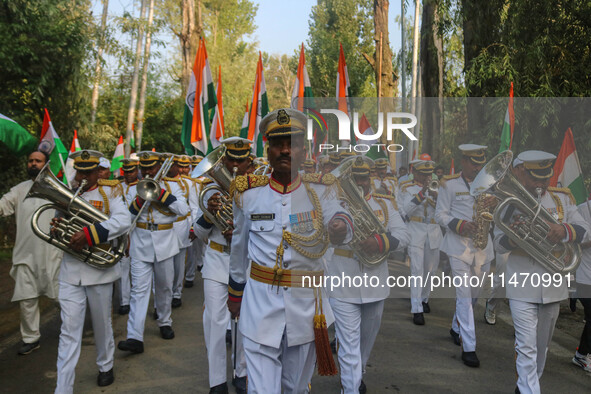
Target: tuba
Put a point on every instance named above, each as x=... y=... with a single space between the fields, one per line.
x=483 y=218
x=212 y=165
x=496 y=178
x=365 y=222
x=77 y=213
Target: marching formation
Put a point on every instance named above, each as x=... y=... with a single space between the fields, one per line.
x=265 y=236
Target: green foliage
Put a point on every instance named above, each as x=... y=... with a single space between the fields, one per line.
x=351 y=24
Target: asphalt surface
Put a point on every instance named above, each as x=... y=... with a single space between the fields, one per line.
x=405 y=359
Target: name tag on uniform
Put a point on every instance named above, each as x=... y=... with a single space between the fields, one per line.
x=302 y=222
x=262 y=216
x=97 y=204
x=462 y=193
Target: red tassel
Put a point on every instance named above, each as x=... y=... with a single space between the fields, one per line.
x=324 y=359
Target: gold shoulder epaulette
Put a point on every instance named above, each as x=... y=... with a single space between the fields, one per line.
x=564 y=190
x=326 y=179
x=391 y=177
x=389 y=197
x=406 y=185
x=114 y=184
x=448 y=177
x=108 y=182
x=203 y=181
x=401 y=184
x=244 y=182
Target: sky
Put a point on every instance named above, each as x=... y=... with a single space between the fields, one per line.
x=282 y=25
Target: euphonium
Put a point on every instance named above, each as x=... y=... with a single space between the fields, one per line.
x=77 y=213
x=212 y=165
x=496 y=178
x=365 y=222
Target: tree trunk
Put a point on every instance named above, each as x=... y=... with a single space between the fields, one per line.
x=415 y=74
x=432 y=77
x=99 y=59
x=134 y=82
x=142 y=104
x=388 y=78
x=189 y=37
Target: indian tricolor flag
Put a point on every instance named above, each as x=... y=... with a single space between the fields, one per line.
x=366 y=129
x=217 y=125
x=244 y=126
x=75 y=147
x=199 y=106
x=302 y=87
x=52 y=145
x=343 y=91
x=508 y=125
x=117 y=157
x=258 y=109
x=567 y=170
x=15 y=137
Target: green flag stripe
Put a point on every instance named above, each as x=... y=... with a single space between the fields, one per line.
x=577 y=188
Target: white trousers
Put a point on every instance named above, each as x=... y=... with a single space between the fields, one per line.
x=73 y=310
x=357 y=327
x=466 y=297
x=216 y=318
x=141 y=276
x=179 y=272
x=423 y=263
x=287 y=369
x=196 y=252
x=534 y=326
x=497 y=291
x=30 y=320
x=125 y=281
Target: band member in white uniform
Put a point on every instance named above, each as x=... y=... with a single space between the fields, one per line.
x=182 y=226
x=358 y=310
x=456 y=210
x=130 y=175
x=418 y=204
x=280 y=231
x=215 y=273
x=80 y=283
x=153 y=246
x=197 y=248
x=535 y=306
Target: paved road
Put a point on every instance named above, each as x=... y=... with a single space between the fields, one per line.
x=406 y=358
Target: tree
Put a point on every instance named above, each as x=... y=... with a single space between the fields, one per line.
x=279 y=77
x=347 y=22
x=142 y=103
x=99 y=61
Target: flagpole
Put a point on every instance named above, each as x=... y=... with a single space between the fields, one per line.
x=64 y=167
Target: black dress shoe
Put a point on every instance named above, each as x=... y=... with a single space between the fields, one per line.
x=333 y=346
x=228 y=337
x=105 y=378
x=418 y=319
x=362 y=388
x=188 y=284
x=239 y=384
x=155 y=314
x=166 y=332
x=426 y=307
x=176 y=302
x=517 y=390
x=28 y=348
x=220 y=388
x=131 y=345
x=455 y=337
x=123 y=310
x=470 y=359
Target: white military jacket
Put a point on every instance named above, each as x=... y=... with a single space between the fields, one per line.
x=42 y=258
x=420 y=211
x=455 y=206
x=261 y=214
x=109 y=200
x=152 y=245
x=528 y=275
x=584 y=271
x=182 y=224
x=216 y=264
x=130 y=192
x=339 y=265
